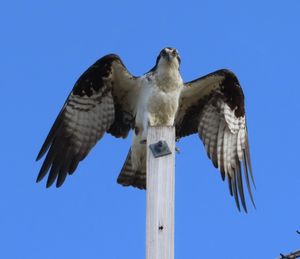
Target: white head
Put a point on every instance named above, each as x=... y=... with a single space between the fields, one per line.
x=168 y=57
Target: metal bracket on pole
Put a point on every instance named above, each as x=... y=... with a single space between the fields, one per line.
x=160 y=149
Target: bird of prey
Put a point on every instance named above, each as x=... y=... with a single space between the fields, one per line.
x=107 y=98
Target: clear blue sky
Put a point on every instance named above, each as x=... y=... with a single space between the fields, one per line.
x=46 y=45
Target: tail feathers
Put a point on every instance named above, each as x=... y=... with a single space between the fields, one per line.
x=128 y=177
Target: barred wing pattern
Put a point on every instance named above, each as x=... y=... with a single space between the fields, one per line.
x=217 y=114
x=93 y=107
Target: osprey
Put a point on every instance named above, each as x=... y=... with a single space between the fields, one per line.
x=108 y=98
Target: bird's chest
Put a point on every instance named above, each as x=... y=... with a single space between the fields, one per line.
x=160 y=102
x=162 y=105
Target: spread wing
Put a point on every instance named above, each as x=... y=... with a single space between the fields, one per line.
x=213 y=106
x=102 y=100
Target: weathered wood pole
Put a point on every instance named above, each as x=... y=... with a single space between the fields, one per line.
x=160 y=196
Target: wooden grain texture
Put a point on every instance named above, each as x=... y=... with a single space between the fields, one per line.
x=160 y=196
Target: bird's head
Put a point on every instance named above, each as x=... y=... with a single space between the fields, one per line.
x=168 y=57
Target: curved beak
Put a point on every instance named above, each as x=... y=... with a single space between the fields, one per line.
x=170 y=55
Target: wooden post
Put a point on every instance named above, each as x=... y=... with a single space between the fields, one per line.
x=160 y=196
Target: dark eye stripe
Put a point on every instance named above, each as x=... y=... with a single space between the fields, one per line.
x=164 y=52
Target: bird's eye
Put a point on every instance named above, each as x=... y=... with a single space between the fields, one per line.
x=174 y=52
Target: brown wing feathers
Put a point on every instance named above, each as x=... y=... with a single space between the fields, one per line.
x=219 y=118
x=88 y=113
